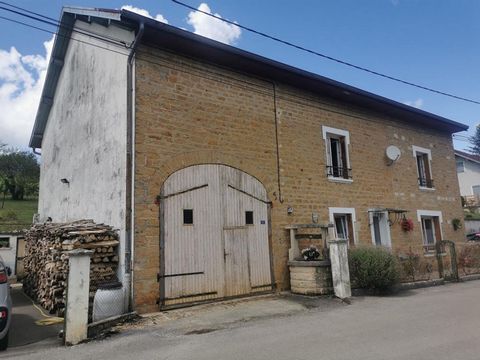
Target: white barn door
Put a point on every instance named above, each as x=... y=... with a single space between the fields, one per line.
x=214 y=235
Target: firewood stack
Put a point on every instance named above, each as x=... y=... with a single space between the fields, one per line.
x=46 y=259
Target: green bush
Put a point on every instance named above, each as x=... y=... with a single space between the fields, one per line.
x=373 y=268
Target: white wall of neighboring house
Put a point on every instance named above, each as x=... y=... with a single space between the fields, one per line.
x=469 y=177
x=85 y=138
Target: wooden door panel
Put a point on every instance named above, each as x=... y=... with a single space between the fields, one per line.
x=218 y=255
x=192 y=252
x=19 y=267
x=236 y=262
x=245 y=193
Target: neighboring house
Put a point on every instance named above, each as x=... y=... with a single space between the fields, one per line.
x=12 y=251
x=468 y=172
x=201 y=154
x=15 y=217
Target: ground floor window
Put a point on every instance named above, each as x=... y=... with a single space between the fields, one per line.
x=4 y=242
x=344 y=221
x=380 y=227
x=431 y=228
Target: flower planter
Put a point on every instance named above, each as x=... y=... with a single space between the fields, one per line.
x=310 y=277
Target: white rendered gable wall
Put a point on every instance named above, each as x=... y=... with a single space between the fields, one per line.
x=85 y=138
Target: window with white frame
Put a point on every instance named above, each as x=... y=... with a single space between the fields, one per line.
x=460 y=166
x=431 y=228
x=423 y=158
x=380 y=227
x=344 y=221
x=337 y=142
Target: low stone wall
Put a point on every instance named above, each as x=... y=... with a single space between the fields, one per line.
x=310 y=277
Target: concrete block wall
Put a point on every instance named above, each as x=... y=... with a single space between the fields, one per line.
x=188 y=113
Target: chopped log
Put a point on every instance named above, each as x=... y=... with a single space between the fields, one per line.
x=46 y=259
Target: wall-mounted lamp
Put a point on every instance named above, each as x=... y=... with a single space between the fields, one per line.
x=65 y=181
x=289 y=210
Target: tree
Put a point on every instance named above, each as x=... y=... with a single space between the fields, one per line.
x=19 y=173
x=475 y=141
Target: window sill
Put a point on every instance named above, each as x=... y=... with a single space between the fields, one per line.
x=423 y=188
x=5 y=248
x=432 y=254
x=339 y=180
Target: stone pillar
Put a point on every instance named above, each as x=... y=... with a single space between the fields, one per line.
x=340 y=270
x=294 y=252
x=76 y=312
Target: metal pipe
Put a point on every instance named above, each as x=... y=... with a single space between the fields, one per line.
x=129 y=167
x=277 y=146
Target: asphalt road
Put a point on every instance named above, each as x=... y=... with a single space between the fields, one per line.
x=435 y=323
x=23 y=329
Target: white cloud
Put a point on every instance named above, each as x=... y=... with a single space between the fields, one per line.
x=21 y=84
x=415 y=103
x=213 y=28
x=143 y=12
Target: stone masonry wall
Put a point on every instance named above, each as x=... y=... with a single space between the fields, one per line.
x=190 y=113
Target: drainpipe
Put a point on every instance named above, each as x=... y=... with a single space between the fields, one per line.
x=128 y=283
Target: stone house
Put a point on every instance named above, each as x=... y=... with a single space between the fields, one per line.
x=202 y=153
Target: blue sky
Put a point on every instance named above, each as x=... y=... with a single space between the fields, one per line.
x=429 y=42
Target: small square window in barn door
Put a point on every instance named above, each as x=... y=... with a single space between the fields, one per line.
x=248 y=217
x=187 y=216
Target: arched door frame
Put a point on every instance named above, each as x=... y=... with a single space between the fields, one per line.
x=161 y=275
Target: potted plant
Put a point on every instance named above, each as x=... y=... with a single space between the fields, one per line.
x=457 y=224
x=311 y=253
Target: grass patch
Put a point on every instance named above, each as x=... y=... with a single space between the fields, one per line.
x=472 y=216
x=17 y=214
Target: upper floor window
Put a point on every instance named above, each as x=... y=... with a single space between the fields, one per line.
x=460 y=166
x=337 y=143
x=423 y=158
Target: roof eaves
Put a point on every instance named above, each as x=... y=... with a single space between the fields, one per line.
x=300 y=77
x=282 y=71
x=67 y=20
x=470 y=157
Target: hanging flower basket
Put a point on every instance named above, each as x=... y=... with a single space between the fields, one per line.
x=407 y=224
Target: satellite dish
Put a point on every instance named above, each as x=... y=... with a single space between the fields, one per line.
x=393 y=153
